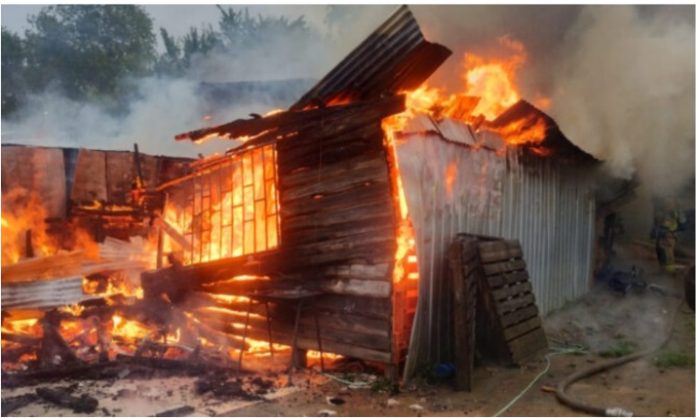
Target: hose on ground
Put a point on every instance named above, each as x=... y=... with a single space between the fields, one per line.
x=562 y=387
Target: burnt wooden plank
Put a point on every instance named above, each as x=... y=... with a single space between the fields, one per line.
x=375 y=172
x=333 y=172
x=330 y=346
x=338 y=201
x=375 y=109
x=373 y=288
x=369 y=307
x=372 y=211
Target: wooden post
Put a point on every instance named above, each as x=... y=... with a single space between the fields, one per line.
x=299 y=358
x=159 y=247
x=28 y=246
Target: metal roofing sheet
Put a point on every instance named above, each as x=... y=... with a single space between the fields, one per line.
x=395 y=56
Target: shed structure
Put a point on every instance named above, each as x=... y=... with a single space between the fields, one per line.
x=311 y=200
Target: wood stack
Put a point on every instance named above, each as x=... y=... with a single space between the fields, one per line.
x=493 y=304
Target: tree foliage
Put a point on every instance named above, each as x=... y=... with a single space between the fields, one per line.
x=96 y=52
x=13 y=62
x=89 y=50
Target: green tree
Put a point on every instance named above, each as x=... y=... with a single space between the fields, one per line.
x=89 y=51
x=179 y=54
x=240 y=30
x=13 y=66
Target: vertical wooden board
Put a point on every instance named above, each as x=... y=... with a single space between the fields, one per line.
x=90 y=177
x=38 y=170
x=49 y=180
x=463 y=257
x=17 y=168
x=120 y=175
x=149 y=165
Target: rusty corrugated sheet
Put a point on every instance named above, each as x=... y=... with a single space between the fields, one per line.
x=394 y=57
x=546 y=204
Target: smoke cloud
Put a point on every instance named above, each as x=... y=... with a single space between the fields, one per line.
x=621 y=80
x=625 y=92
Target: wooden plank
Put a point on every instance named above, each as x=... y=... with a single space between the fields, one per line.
x=371 y=252
x=512 y=304
x=369 y=307
x=512 y=291
x=464 y=303
x=316 y=148
x=503 y=279
x=362 y=194
x=90 y=177
x=377 y=289
x=374 y=109
x=333 y=172
x=503 y=267
x=375 y=172
x=43 y=268
x=519 y=315
x=494 y=251
x=173 y=233
x=521 y=328
x=527 y=345
x=329 y=346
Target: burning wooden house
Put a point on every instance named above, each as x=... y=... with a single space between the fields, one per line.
x=355 y=194
x=328 y=228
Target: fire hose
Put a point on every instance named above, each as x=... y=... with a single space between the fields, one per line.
x=562 y=387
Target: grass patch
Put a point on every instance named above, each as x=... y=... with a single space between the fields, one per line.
x=620 y=349
x=672 y=359
x=383 y=384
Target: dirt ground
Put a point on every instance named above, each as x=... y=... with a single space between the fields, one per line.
x=604 y=322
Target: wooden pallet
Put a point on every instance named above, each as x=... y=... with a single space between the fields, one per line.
x=465 y=267
x=509 y=328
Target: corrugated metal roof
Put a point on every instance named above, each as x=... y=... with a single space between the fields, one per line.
x=555 y=140
x=394 y=57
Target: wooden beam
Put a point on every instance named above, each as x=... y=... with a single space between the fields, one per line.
x=255 y=126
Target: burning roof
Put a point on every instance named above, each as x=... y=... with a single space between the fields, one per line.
x=396 y=60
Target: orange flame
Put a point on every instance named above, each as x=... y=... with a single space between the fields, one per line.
x=489 y=87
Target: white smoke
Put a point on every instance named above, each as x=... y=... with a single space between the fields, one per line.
x=166 y=107
x=625 y=93
x=621 y=80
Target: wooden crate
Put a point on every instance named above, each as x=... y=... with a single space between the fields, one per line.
x=509 y=328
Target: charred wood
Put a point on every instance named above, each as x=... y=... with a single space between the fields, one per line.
x=13 y=403
x=63 y=397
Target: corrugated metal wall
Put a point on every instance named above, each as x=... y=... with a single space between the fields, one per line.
x=451 y=188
